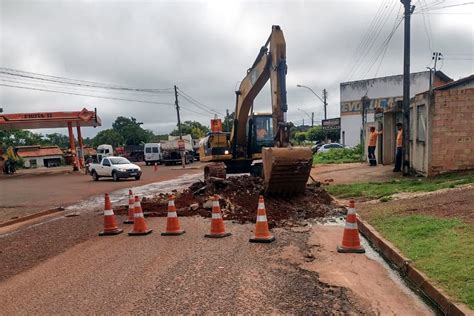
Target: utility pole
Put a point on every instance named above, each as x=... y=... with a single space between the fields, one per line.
x=436 y=56
x=312 y=119
x=406 y=87
x=183 y=152
x=227 y=121
x=325 y=98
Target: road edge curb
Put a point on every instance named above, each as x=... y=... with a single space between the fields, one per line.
x=418 y=280
x=31 y=216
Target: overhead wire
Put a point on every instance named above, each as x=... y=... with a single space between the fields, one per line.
x=198 y=104
x=427 y=29
x=369 y=45
x=85 y=95
x=75 y=82
x=448 y=6
x=359 y=51
x=384 y=46
x=34 y=83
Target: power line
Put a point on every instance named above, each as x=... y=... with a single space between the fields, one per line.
x=358 y=53
x=31 y=82
x=75 y=82
x=427 y=29
x=84 y=95
x=449 y=6
x=198 y=103
x=372 y=40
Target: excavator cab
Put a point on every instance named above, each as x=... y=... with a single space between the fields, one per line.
x=260 y=125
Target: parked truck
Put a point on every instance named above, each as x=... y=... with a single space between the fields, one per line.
x=171 y=152
x=131 y=152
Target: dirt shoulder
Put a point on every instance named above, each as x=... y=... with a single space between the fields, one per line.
x=353 y=173
x=451 y=203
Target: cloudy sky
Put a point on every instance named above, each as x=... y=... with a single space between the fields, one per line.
x=205 y=48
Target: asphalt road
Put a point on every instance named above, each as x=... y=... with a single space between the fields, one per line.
x=176 y=274
x=24 y=195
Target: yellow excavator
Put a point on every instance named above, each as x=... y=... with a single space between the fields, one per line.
x=259 y=142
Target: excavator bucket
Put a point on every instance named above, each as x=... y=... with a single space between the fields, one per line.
x=286 y=170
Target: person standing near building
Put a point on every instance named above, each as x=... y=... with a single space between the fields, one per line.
x=372 y=144
x=399 y=154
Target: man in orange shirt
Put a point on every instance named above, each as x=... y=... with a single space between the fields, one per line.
x=372 y=144
x=399 y=155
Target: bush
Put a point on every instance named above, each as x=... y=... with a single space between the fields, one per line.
x=339 y=155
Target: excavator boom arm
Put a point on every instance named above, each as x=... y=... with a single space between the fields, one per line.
x=269 y=64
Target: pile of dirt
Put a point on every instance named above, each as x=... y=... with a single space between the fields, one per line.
x=238 y=197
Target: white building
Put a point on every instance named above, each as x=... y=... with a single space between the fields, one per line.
x=37 y=156
x=384 y=92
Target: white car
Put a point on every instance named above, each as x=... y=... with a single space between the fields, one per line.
x=326 y=147
x=115 y=167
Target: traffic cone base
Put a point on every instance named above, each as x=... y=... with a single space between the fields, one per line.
x=111 y=232
x=176 y=233
x=127 y=221
x=134 y=233
x=263 y=240
x=342 y=249
x=217 y=235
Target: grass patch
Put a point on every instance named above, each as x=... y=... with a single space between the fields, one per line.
x=441 y=248
x=377 y=190
x=339 y=155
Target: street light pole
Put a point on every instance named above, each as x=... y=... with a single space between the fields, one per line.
x=310 y=116
x=323 y=99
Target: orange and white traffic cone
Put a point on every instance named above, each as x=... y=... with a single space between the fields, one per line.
x=217 y=223
x=131 y=208
x=110 y=223
x=262 y=233
x=172 y=223
x=139 y=225
x=350 y=238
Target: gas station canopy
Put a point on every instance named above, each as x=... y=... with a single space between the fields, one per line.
x=49 y=119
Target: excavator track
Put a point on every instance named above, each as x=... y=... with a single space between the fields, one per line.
x=286 y=170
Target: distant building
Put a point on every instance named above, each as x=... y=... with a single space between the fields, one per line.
x=442 y=128
x=384 y=93
x=37 y=156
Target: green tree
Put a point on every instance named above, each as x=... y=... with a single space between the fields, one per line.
x=19 y=138
x=108 y=136
x=300 y=137
x=56 y=139
x=196 y=129
x=316 y=133
x=131 y=130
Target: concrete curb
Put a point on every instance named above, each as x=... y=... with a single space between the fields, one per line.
x=31 y=216
x=418 y=281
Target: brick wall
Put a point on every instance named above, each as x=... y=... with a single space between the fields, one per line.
x=452 y=131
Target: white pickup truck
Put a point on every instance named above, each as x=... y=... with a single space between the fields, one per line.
x=115 y=167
